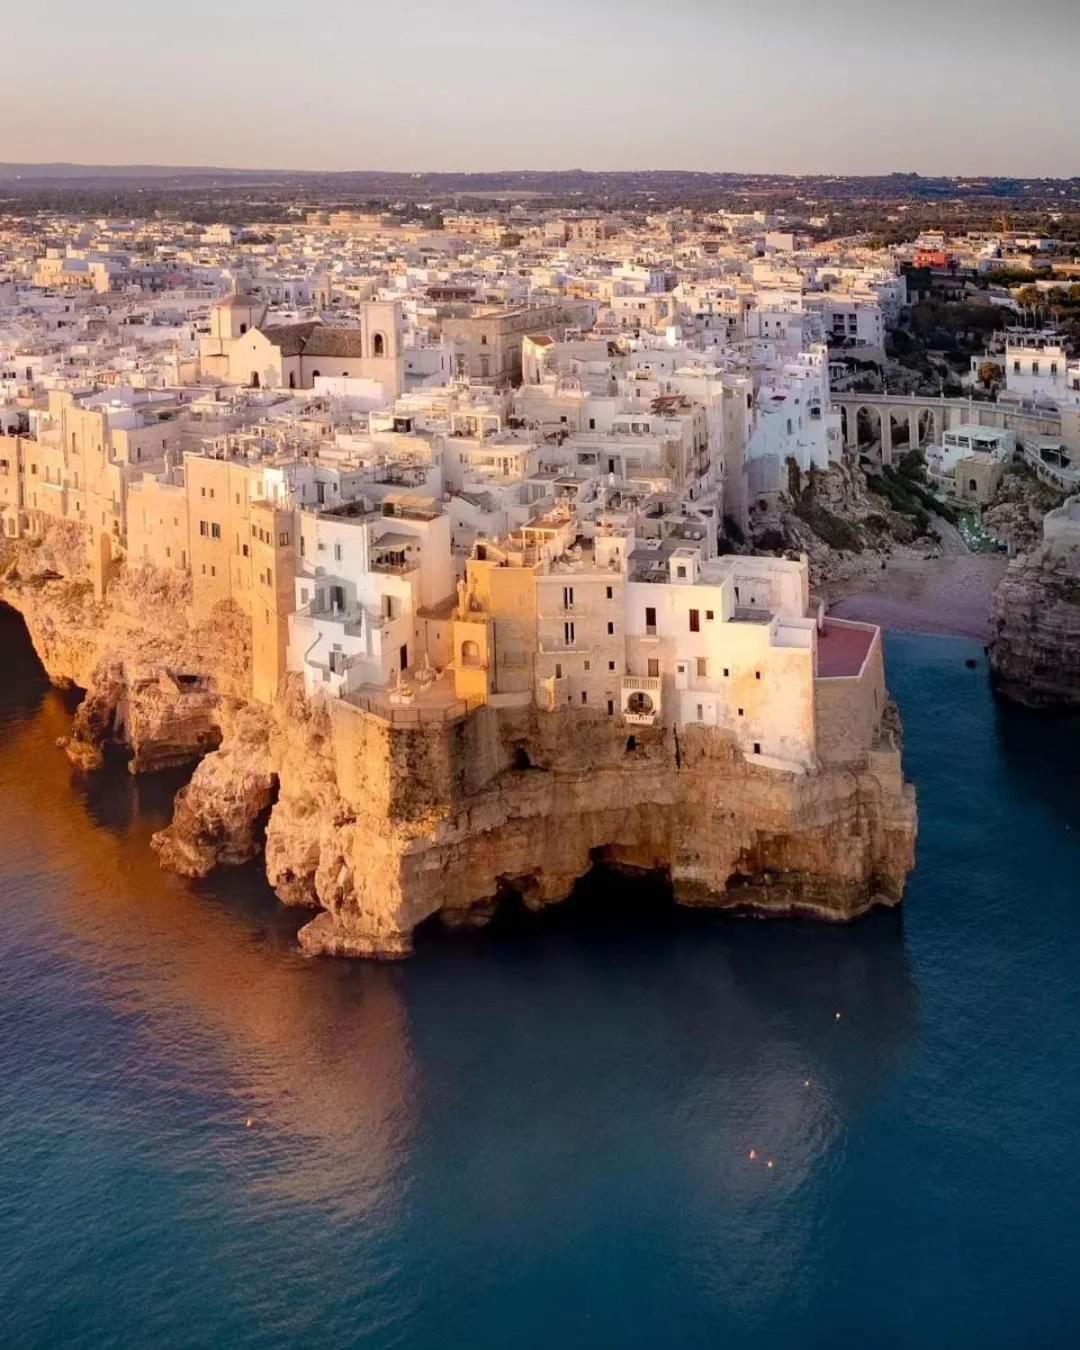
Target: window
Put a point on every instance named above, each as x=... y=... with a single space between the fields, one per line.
x=1053 y=367
x=558 y=671
x=757 y=674
x=568 y=632
x=610 y=593
x=700 y=713
x=741 y=712
x=584 y=696
x=650 y=620
x=695 y=621
x=611 y=665
x=702 y=668
x=727 y=671
x=1016 y=367
x=708 y=616
x=247 y=551
x=204 y=528
x=654 y=667
x=680 y=571
x=611 y=630
x=215 y=531
x=568 y=597
x=283 y=539
x=1034 y=367
x=611 y=707
x=588 y=666
x=757 y=747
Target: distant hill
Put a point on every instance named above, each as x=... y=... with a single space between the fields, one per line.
x=66 y=170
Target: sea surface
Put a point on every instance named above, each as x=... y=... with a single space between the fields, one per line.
x=540 y=1135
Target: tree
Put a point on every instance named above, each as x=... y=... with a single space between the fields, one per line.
x=989 y=374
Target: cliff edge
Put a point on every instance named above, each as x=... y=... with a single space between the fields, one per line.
x=379 y=826
x=1035 y=618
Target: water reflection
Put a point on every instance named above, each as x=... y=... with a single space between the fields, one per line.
x=651 y=1051
x=594 y=1078
x=316 y=1054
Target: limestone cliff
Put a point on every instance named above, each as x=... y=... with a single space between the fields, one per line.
x=1035 y=618
x=382 y=826
x=378 y=825
x=155 y=679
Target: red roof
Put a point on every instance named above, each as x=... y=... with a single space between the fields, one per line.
x=842 y=650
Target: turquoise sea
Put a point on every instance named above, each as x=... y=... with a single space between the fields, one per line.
x=540 y=1135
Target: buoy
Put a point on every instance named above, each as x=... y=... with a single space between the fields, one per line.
x=249 y=1124
x=769 y=1163
x=838 y=1017
x=806 y=1083
x=753 y=1154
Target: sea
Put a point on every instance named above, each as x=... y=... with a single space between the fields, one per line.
x=615 y=1125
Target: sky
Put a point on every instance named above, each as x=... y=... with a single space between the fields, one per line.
x=814 y=86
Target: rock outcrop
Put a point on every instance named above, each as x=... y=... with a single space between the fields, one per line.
x=380 y=826
x=155 y=680
x=1035 y=618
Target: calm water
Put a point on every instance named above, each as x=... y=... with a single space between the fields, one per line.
x=539 y=1136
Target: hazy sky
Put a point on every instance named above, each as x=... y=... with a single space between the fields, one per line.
x=840 y=86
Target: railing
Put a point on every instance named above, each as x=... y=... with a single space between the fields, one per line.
x=380 y=706
x=645 y=684
x=640 y=719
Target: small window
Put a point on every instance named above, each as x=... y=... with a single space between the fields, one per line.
x=695 y=621
x=654 y=667
x=611 y=665
x=680 y=571
x=727 y=672
x=611 y=707
x=611 y=630
x=741 y=713
x=558 y=671
x=757 y=747
x=702 y=668
x=610 y=593
x=757 y=674
x=708 y=616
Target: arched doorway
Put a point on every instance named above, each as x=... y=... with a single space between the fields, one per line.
x=379 y=345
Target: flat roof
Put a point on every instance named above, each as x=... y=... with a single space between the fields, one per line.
x=843 y=650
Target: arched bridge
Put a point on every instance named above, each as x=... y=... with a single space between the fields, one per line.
x=900 y=422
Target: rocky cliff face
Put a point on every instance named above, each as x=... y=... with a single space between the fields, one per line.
x=1035 y=618
x=377 y=826
x=380 y=827
x=155 y=680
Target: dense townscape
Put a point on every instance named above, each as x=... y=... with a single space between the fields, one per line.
x=425 y=462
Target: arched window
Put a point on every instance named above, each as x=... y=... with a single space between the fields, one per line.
x=315 y=374
x=972 y=485
x=379 y=348
x=470 y=654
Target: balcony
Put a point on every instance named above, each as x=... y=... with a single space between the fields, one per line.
x=641 y=699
